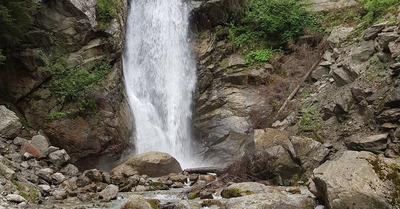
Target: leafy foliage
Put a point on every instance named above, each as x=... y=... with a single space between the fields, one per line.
x=273 y=21
x=375 y=8
x=262 y=55
x=106 y=11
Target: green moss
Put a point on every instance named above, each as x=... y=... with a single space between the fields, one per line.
x=234 y=192
x=193 y=196
x=394 y=177
x=376 y=165
x=106 y=11
x=30 y=194
x=224 y=63
x=152 y=204
x=248 y=192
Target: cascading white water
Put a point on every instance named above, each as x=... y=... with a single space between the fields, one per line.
x=160 y=76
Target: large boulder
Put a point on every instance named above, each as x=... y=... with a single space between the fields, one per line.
x=271 y=200
x=311 y=153
x=153 y=164
x=352 y=181
x=136 y=202
x=375 y=143
x=9 y=123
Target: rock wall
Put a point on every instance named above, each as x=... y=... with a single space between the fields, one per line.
x=72 y=27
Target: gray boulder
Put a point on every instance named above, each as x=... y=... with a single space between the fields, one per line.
x=271 y=200
x=41 y=143
x=338 y=34
x=59 y=157
x=153 y=164
x=375 y=143
x=351 y=182
x=9 y=123
x=136 y=202
x=15 y=198
x=109 y=193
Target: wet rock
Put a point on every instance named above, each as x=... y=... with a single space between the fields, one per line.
x=153 y=164
x=206 y=194
x=375 y=143
x=9 y=124
x=271 y=200
x=57 y=178
x=351 y=182
x=178 y=185
x=15 y=198
x=70 y=170
x=141 y=188
x=94 y=175
x=109 y=193
x=41 y=143
x=178 y=178
x=310 y=152
x=136 y=202
x=59 y=157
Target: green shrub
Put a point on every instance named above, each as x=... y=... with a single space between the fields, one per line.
x=262 y=55
x=273 y=21
x=106 y=11
x=375 y=8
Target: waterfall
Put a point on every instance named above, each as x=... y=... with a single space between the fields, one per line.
x=160 y=76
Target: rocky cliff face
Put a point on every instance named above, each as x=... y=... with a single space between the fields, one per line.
x=73 y=36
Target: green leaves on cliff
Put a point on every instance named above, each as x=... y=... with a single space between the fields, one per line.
x=273 y=22
x=376 y=8
x=106 y=11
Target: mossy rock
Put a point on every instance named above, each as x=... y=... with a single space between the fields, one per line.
x=193 y=196
x=231 y=192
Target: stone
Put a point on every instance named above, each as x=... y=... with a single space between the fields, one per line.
x=141 y=188
x=341 y=76
x=70 y=170
x=178 y=185
x=94 y=175
x=82 y=181
x=9 y=123
x=351 y=182
x=59 y=157
x=109 y=193
x=57 y=178
x=394 y=48
x=19 y=141
x=178 y=177
x=206 y=194
x=375 y=143
x=338 y=34
x=269 y=137
x=250 y=187
x=136 y=202
x=31 y=149
x=329 y=5
x=59 y=194
x=390 y=115
x=45 y=174
x=210 y=203
x=319 y=73
x=373 y=31
x=271 y=200
x=285 y=170
x=41 y=143
x=363 y=51
x=15 y=198
x=310 y=152
x=153 y=164
x=384 y=39
x=236 y=61
x=45 y=188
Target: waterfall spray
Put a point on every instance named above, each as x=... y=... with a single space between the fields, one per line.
x=160 y=76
